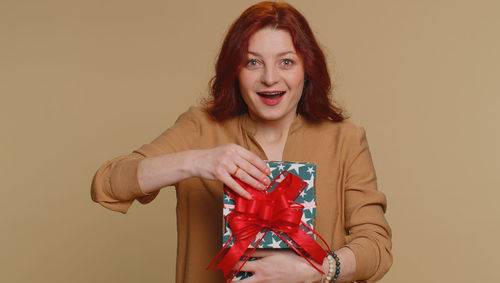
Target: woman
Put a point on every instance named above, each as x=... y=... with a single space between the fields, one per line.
x=269 y=101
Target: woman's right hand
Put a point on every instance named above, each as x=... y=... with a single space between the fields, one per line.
x=222 y=162
x=219 y=163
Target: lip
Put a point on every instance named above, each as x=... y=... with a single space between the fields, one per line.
x=271 y=98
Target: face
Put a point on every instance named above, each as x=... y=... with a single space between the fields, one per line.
x=272 y=78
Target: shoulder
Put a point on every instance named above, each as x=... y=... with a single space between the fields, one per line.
x=198 y=119
x=354 y=134
x=194 y=113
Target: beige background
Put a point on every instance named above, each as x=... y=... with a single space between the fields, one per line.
x=84 y=81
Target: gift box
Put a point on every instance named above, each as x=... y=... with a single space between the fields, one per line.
x=307 y=198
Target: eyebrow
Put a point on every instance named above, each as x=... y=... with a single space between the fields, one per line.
x=279 y=54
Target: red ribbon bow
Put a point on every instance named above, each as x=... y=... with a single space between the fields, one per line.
x=275 y=211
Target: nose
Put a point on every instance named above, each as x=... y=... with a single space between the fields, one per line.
x=269 y=76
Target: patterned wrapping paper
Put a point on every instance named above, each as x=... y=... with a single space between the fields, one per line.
x=307 y=172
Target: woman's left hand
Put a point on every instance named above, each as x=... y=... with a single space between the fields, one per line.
x=280 y=266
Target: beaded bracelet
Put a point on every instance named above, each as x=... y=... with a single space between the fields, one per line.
x=331 y=277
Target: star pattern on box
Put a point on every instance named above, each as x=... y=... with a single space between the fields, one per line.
x=281 y=167
x=271 y=169
x=310 y=170
x=307 y=172
x=303 y=194
x=275 y=244
x=228 y=233
x=305 y=218
x=310 y=183
x=226 y=211
x=296 y=167
x=309 y=205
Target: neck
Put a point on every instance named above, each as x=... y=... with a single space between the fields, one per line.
x=273 y=131
x=272 y=135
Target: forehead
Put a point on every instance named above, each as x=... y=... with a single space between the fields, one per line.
x=269 y=41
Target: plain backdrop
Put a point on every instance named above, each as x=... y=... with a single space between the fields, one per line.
x=84 y=81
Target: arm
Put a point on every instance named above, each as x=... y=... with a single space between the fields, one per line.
x=215 y=164
x=116 y=183
x=369 y=234
x=168 y=160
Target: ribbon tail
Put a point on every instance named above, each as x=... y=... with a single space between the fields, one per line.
x=219 y=253
x=306 y=243
x=233 y=255
x=315 y=233
x=247 y=257
x=290 y=244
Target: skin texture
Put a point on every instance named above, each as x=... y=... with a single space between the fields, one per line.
x=272 y=66
x=215 y=164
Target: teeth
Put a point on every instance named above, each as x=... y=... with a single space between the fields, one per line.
x=271 y=93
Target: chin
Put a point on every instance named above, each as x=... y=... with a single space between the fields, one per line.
x=271 y=115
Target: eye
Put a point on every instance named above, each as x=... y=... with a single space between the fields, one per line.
x=252 y=63
x=287 y=62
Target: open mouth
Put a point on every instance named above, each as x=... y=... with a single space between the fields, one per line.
x=271 y=94
x=271 y=98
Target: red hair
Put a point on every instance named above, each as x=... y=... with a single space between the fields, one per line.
x=225 y=98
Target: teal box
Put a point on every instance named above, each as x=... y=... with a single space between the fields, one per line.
x=307 y=172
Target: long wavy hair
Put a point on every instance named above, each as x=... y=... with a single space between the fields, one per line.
x=225 y=99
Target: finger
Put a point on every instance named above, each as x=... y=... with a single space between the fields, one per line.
x=249 y=266
x=250 y=175
x=256 y=167
x=254 y=159
x=236 y=170
x=252 y=279
x=233 y=185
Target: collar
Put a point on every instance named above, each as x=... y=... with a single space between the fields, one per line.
x=248 y=125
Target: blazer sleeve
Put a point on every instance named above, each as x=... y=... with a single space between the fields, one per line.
x=368 y=233
x=115 y=185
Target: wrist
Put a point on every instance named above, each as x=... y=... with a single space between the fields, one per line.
x=187 y=161
x=313 y=276
x=333 y=268
x=324 y=267
x=320 y=277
